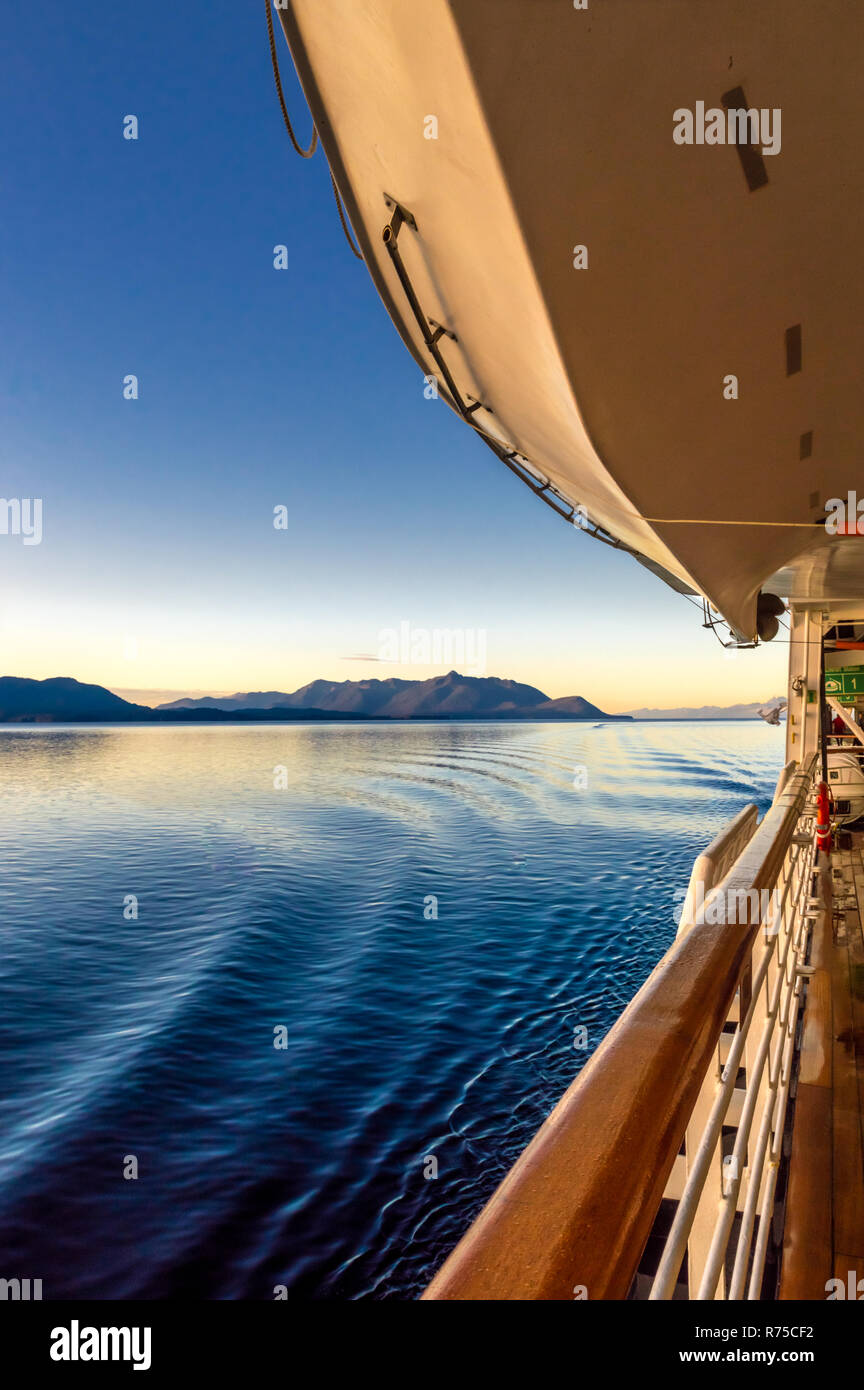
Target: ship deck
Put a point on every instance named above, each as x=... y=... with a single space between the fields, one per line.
x=824 y=1228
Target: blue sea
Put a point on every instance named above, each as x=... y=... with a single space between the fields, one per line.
x=318 y=985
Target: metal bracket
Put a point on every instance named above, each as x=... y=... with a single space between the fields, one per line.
x=441 y=332
x=542 y=487
x=400 y=214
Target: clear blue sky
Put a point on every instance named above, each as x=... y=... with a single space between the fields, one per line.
x=159 y=568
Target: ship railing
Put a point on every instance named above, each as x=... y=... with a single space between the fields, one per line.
x=685 y=1099
x=724 y=1180
x=712 y=865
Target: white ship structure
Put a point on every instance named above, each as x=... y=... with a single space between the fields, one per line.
x=623 y=239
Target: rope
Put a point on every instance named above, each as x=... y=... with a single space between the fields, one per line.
x=313 y=145
x=304 y=154
x=343 y=219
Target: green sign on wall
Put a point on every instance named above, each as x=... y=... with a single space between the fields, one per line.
x=845 y=683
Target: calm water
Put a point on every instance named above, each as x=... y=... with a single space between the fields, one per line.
x=302 y=909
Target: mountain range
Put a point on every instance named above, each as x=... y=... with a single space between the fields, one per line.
x=452 y=696
x=61 y=699
x=750 y=711
x=64 y=700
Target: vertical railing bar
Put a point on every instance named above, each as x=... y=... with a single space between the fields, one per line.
x=760 y=1250
x=761 y=1247
x=757 y=1168
x=728 y=1203
x=760 y=1175
x=748 y=1217
x=673 y=1253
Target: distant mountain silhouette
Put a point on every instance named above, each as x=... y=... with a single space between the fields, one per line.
x=577 y=708
x=750 y=711
x=453 y=696
x=64 y=700
x=61 y=699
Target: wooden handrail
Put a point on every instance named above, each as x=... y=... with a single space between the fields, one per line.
x=577 y=1207
x=783 y=779
x=716 y=860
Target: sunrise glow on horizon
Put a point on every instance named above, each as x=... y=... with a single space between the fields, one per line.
x=159 y=568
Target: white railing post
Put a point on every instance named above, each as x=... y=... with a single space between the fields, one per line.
x=766 y=1011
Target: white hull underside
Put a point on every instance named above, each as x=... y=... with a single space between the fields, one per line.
x=555 y=129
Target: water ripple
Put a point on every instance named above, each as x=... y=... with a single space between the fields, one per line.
x=423 y=915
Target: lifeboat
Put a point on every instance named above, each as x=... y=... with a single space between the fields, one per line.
x=658 y=329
